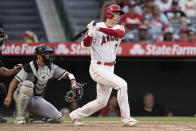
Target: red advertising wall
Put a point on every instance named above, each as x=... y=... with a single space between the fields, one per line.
x=125 y=49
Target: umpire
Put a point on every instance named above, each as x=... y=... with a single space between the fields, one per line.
x=5 y=72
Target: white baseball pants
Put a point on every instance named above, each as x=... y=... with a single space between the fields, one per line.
x=106 y=81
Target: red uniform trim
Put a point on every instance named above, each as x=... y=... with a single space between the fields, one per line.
x=117 y=33
x=87 y=41
x=105 y=110
x=106 y=63
x=118 y=88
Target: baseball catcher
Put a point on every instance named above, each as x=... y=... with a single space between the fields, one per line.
x=31 y=84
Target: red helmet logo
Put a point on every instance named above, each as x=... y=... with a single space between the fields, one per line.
x=112 y=8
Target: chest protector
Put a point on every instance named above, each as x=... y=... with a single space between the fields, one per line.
x=41 y=76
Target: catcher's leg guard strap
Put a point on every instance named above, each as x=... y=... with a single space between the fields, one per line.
x=22 y=96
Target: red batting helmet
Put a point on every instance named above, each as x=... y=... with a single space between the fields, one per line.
x=112 y=8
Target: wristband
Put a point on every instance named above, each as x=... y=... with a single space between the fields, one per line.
x=71 y=77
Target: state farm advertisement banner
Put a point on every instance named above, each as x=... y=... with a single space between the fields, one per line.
x=61 y=49
x=125 y=49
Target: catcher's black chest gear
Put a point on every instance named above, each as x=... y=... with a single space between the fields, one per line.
x=41 y=76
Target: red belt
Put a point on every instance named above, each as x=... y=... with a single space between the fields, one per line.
x=106 y=63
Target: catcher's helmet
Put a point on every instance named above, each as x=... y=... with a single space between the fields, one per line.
x=42 y=50
x=2 y=36
x=113 y=8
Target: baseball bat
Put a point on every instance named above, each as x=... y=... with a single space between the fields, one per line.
x=80 y=34
x=76 y=37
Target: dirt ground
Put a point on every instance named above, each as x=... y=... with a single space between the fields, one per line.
x=101 y=126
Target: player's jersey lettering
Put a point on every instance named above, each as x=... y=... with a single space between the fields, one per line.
x=104 y=46
x=108 y=38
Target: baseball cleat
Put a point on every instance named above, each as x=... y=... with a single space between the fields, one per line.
x=2 y=119
x=130 y=123
x=75 y=121
x=20 y=120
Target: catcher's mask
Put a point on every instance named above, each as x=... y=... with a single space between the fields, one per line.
x=2 y=36
x=44 y=50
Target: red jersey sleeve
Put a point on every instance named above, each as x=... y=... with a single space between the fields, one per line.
x=87 y=41
x=113 y=32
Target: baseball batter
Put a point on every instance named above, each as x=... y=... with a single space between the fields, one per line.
x=103 y=39
x=31 y=84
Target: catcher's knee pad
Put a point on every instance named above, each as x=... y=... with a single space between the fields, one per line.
x=26 y=88
x=59 y=117
x=27 y=83
x=22 y=96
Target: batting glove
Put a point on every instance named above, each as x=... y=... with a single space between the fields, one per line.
x=91 y=32
x=90 y=25
x=91 y=28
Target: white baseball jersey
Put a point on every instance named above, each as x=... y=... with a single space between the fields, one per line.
x=40 y=75
x=104 y=47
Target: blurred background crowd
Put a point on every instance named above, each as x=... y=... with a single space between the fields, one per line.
x=145 y=20
x=149 y=107
x=157 y=20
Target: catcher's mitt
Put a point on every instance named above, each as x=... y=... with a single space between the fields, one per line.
x=75 y=93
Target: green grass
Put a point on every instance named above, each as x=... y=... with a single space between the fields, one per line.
x=172 y=119
x=188 y=119
x=168 y=119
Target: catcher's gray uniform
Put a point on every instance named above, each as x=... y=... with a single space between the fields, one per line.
x=33 y=80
